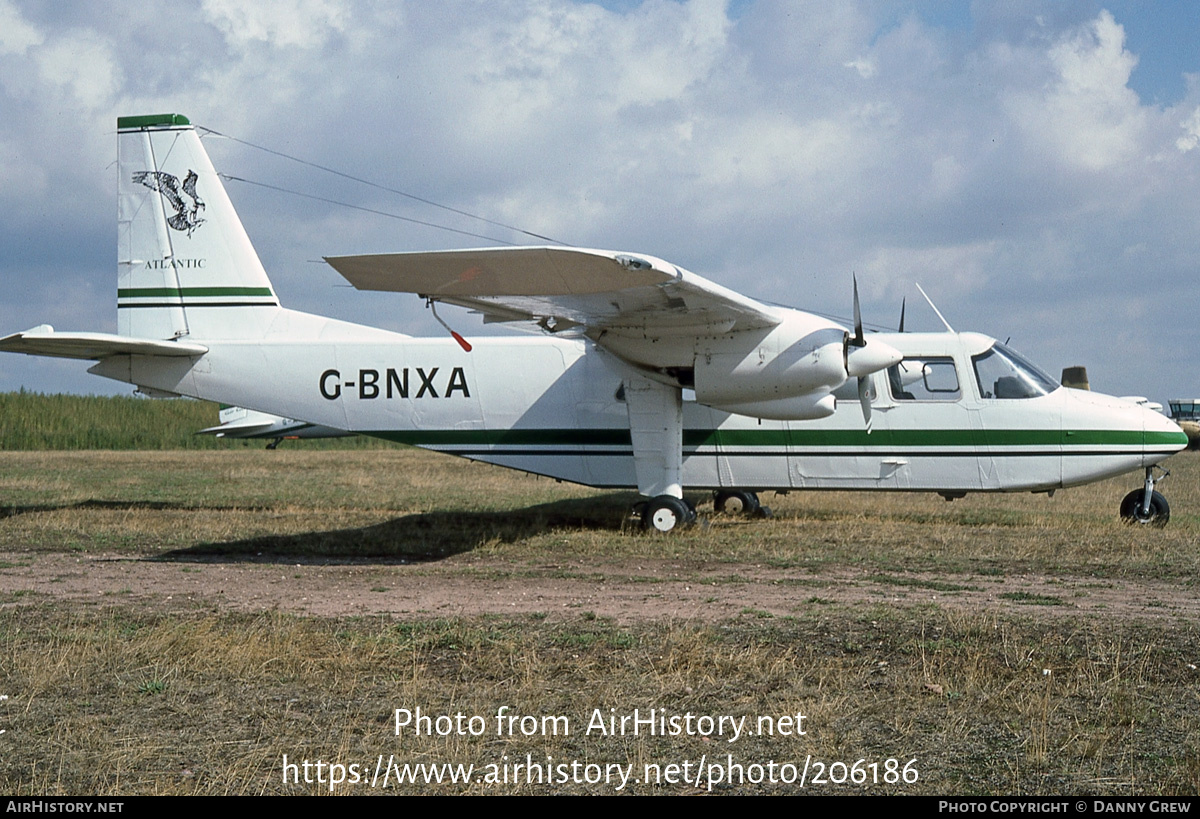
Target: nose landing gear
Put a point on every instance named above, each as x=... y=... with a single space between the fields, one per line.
x=1146 y=506
x=739 y=502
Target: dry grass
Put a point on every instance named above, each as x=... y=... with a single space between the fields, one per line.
x=392 y=503
x=114 y=699
x=119 y=702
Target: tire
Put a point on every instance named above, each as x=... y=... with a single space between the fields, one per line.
x=665 y=513
x=735 y=502
x=1158 y=514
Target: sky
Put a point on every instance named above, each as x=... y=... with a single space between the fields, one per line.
x=1032 y=164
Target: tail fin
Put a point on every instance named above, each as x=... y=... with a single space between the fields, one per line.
x=185 y=265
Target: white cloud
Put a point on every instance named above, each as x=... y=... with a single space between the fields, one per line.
x=82 y=64
x=554 y=63
x=865 y=68
x=16 y=35
x=1191 y=128
x=302 y=23
x=1087 y=114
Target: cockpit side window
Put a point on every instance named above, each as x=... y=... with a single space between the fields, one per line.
x=932 y=378
x=1003 y=374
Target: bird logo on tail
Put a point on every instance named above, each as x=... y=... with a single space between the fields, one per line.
x=187 y=215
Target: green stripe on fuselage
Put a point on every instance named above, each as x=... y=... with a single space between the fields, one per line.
x=891 y=439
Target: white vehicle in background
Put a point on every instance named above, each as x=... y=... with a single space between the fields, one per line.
x=1143 y=401
x=643 y=375
x=1186 y=413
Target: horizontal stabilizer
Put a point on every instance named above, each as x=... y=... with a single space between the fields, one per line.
x=42 y=340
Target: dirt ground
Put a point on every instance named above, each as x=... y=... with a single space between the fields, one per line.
x=626 y=591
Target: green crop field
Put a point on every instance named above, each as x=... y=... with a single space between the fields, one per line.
x=32 y=421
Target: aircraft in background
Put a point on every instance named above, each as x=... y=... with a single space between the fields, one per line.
x=644 y=375
x=239 y=422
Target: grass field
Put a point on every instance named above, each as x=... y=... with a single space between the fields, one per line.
x=126 y=692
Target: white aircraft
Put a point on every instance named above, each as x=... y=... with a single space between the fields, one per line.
x=644 y=375
x=239 y=422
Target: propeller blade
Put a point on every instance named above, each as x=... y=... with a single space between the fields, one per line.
x=864 y=399
x=902 y=301
x=862 y=359
x=858 y=341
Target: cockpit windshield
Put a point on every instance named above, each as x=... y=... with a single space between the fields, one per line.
x=1004 y=373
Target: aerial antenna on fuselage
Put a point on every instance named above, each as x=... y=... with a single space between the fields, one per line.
x=949 y=329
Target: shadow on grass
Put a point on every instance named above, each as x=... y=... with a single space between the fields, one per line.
x=13 y=510
x=418 y=538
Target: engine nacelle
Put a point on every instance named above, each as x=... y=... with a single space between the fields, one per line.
x=789 y=368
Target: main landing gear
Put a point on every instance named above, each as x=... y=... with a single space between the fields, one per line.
x=665 y=513
x=1146 y=506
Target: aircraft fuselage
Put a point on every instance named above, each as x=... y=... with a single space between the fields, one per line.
x=555 y=407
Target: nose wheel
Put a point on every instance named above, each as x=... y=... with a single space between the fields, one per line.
x=738 y=502
x=1145 y=505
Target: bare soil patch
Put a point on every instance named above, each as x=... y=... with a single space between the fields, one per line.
x=625 y=590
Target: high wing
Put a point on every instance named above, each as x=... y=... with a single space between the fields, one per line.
x=42 y=340
x=561 y=288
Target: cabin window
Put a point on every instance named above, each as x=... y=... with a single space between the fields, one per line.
x=1002 y=373
x=931 y=378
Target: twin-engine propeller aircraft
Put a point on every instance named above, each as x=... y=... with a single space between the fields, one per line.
x=644 y=375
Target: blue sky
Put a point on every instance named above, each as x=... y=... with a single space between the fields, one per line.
x=1033 y=165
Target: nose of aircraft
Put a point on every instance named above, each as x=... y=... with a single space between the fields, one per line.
x=1116 y=421
x=1161 y=432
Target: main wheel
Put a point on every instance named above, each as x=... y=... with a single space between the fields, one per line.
x=1158 y=513
x=735 y=502
x=665 y=512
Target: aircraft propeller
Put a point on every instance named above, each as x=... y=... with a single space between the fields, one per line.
x=862 y=359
